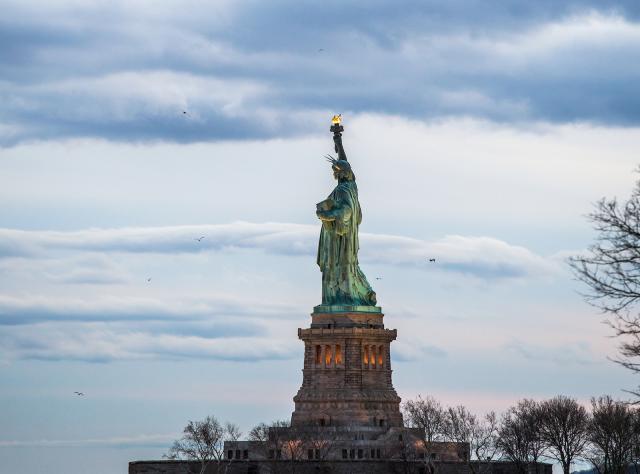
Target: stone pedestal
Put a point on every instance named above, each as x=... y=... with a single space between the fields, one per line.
x=347 y=371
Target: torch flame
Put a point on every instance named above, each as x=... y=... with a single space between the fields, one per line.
x=336 y=119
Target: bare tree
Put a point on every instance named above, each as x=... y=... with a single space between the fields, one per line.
x=635 y=450
x=403 y=450
x=284 y=446
x=320 y=441
x=267 y=440
x=611 y=270
x=563 y=428
x=428 y=415
x=519 y=437
x=481 y=435
x=204 y=441
x=294 y=446
x=613 y=433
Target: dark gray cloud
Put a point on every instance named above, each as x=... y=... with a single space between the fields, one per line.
x=254 y=69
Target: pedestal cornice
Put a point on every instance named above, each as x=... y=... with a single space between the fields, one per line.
x=357 y=333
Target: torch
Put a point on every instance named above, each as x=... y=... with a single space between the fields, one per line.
x=337 y=129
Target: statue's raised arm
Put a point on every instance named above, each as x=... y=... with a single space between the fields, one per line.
x=337 y=129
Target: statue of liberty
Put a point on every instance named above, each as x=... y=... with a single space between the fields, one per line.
x=343 y=283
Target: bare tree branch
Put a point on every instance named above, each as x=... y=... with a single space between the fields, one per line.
x=611 y=271
x=204 y=441
x=564 y=428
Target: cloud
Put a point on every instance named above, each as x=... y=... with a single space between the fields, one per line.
x=105 y=329
x=412 y=350
x=280 y=238
x=89 y=269
x=32 y=309
x=143 y=440
x=100 y=343
x=481 y=257
x=70 y=73
x=571 y=352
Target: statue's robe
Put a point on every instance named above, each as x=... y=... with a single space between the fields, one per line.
x=343 y=283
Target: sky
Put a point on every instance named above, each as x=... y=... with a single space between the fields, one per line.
x=481 y=134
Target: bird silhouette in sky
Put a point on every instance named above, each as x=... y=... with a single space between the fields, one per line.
x=199 y=239
x=80 y=394
x=432 y=259
x=184 y=112
x=149 y=279
x=378 y=278
x=320 y=50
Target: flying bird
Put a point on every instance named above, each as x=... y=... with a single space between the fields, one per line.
x=184 y=112
x=199 y=238
x=80 y=394
x=149 y=279
x=432 y=259
x=378 y=278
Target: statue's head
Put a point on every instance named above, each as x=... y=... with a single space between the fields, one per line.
x=341 y=169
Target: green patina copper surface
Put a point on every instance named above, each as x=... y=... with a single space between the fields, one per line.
x=343 y=282
x=346 y=309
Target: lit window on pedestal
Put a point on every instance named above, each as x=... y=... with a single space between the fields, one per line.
x=380 y=355
x=373 y=356
x=318 y=354
x=338 y=354
x=365 y=355
x=327 y=355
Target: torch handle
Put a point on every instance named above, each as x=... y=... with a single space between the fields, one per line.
x=337 y=140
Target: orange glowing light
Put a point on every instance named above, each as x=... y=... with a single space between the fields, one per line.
x=337 y=119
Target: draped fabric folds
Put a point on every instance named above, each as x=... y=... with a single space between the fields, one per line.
x=343 y=283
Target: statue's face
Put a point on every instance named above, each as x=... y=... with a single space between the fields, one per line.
x=341 y=173
x=338 y=173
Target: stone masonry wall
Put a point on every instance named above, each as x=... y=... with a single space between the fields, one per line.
x=330 y=467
